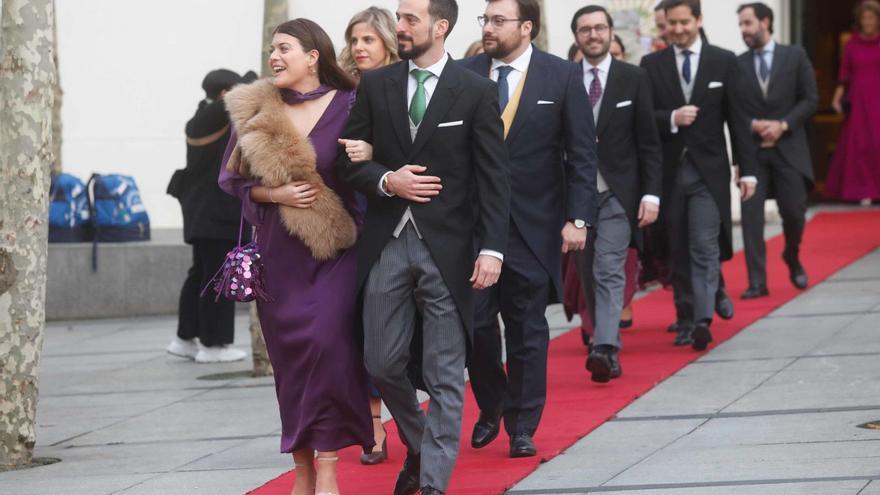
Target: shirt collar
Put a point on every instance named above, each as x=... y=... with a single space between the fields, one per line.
x=520 y=64
x=435 y=69
x=770 y=47
x=695 y=48
x=604 y=66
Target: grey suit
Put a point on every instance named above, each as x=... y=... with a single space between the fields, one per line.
x=785 y=170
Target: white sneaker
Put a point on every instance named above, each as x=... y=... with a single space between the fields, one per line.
x=183 y=348
x=219 y=354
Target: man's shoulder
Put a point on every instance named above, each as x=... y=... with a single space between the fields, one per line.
x=627 y=69
x=714 y=51
x=371 y=77
x=651 y=59
x=467 y=76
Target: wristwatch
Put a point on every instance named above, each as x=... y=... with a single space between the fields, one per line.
x=578 y=223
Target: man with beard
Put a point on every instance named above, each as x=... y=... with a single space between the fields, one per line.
x=695 y=93
x=437 y=188
x=553 y=200
x=779 y=87
x=629 y=180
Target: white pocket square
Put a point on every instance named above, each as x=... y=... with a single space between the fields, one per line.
x=451 y=124
x=545 y=102
x=715 y=84
x=624 y=103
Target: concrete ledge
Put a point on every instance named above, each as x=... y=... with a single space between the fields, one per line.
x=133 y=279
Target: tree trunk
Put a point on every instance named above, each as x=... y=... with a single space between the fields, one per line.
x=27 y=76
x=541 y=41
x=56 y=106
x=274 y=13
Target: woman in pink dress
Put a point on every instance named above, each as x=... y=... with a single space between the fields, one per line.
x=854 y=174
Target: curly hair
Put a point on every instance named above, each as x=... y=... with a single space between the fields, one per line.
x=383 y=23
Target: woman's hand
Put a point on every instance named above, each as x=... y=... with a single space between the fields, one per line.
x=837 y=99
x=357 y=150
x=299 y=194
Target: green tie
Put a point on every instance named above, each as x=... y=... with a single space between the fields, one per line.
x=419 y=102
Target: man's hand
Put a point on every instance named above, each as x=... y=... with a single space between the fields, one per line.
x=648 y=213
x=773 y=131
x=487 y=269
x=357 y=150
x=747 y=190
x=759 y=126
x=573 y=238
x=686 y=115
x=407 y=184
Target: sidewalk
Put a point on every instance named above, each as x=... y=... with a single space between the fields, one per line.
x=773 y=410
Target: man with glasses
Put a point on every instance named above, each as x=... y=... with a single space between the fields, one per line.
x=551 y=143
x=629 y=180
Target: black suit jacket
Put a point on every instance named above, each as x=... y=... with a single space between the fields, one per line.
x=630 y=156
x=469 y=157
x=552 y=156
x=704 y=139
x=791 y=96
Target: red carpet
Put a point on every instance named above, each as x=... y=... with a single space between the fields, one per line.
x=576 y=406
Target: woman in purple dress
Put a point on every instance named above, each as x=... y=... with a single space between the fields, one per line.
x=854 y=174
x=320 y=379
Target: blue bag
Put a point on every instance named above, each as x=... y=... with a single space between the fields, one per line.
x=69 y=216
x=118 y=213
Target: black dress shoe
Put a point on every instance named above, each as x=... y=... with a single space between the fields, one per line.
x=616 y=370
x=625 y=323
x=521 y=446
x=683 y=335
x=673 y=327
x=701 y=337
x=754 y=292
x=723 y=304
x=486 y=429
x=430 y=490
x=585 y=338
x=599 y=365
x=408 y=479
x=796 y=273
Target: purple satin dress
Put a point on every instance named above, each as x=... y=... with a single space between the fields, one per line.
x=320 y=378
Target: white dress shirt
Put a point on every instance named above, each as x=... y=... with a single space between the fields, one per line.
x=604 y=67
x=519 y=66
x=430 y=85
x=768 y=50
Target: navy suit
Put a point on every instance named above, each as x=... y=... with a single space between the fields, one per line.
x=552 y=152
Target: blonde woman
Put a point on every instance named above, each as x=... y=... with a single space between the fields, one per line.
x=370 y=43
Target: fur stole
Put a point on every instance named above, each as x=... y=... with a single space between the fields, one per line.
x=271 y=150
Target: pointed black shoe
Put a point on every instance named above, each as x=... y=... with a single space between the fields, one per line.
x=521 y=445
x=723 y=304
x=599 y=365
x=430 y=490
x=683 y=335
x=486 y=429
x=408 y=479
x=616 y=370
x=701 y=337
x=796 y=272
x=754 y=292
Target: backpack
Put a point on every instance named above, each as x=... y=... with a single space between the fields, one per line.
x=118 y=213
x=69 y=216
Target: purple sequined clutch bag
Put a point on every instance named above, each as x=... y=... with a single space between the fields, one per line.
x=240 y=279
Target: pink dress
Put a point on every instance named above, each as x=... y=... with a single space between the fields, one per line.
x=854 y=173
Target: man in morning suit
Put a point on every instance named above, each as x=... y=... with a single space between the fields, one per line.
x=552 y=202
x=437 y=186
x=629 y=179
x=695 y=94
x=778 y=86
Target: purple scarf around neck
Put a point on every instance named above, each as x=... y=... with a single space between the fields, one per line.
x=292 y=97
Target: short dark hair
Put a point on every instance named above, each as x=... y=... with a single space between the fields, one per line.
x=762 y=11
x=620 y=42
x=590 y=9
x=444 y=9
x=659 y=6
x=529 y=10
x=694 y=5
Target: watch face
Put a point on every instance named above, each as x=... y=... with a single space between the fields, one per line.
x=580 y=224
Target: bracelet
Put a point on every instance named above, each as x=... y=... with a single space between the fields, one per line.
x=270 y=195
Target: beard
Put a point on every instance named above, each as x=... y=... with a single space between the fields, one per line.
x=591 y=51
x=415 y=51
x=753 y=41
x=501 y=49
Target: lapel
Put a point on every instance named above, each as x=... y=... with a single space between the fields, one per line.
x=442 y=100
x=528 y=101
x=779 y=57
x=701 y=83
x=752 y=75
x=610 y=96
x=669 y=67
x=395 y=93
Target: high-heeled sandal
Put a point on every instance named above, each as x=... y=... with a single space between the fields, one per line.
x=376 y=457
x=326 y=459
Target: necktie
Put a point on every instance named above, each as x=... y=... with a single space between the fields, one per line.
x=762 y=65
x=419 y=102
x=503 y=88
x=686 y=66
x=595 y=87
